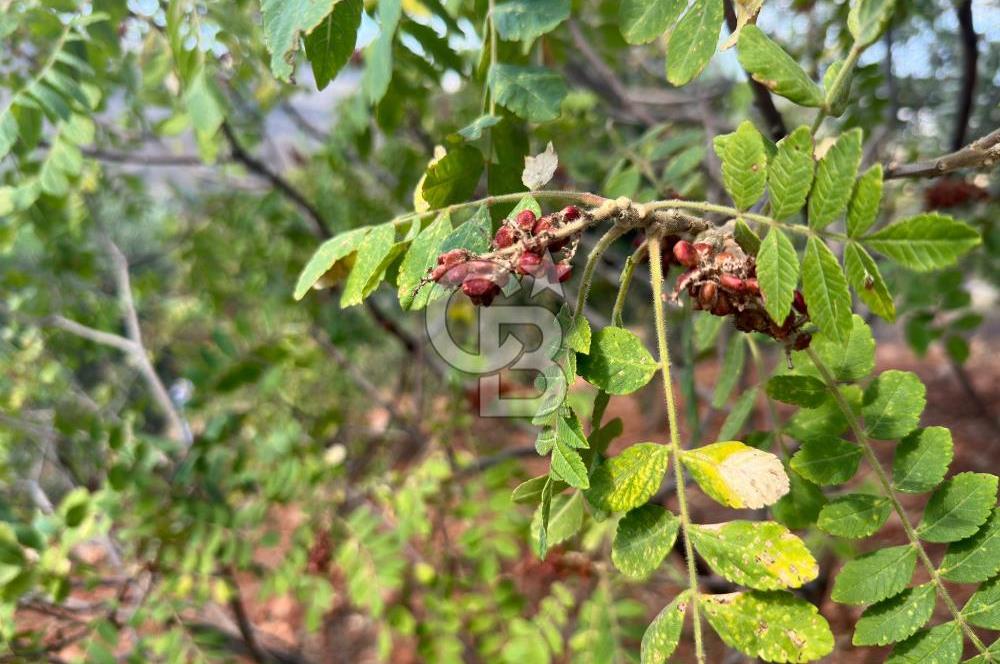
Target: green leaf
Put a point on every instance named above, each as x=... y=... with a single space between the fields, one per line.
x=983 y=608
x=755 y=554
x=453 y=178
x=774 y=626
x=801 y=506
x=331 y=43
x=285 y=22
x=863 y=209
x=744 y=164
x=737 y=475
x=526 y=20
x=826 y=420
x=739 y=414
x=941 y=645
x=868 y=19
x=849 y=360
x=642 y=21
x=618 y=362
x=825 y=290
x=369 y=266
x=664 y=633
x=8 y=131
x=565 y=520
x=629 y=479
x=420 y=258
x=778 y=273
x=568 y=465
x=864 y=276
x=835 y=175
x=855 y=516
x=922 y=460
x=790 y=173
x=977 y=558
x=378 y=54
x=827 y=460
x=958 y=507
x=533 y=93
x=875 y=576
x=531 y=491
x=693 y=41
x=892 y=405
x=473 y=235
x=474 y=130
x=771 y=66
x=804 y=391
x=644 y=538
x=732 y=369
x=925 y=242
x=746 y=238
x=326 y=258
x=896 y=618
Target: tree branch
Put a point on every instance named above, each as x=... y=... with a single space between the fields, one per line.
x=982 y=153
x=970 y=59
x=134 y=332
x=240 y=154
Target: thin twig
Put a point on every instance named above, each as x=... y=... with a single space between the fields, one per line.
x=240 y=154
x=139 y=353
x=982 y=153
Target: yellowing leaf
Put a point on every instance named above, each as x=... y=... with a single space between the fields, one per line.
x=737 y=475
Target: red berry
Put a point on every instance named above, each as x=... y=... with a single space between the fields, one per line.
x=703 y=248
x=450 y=275
x=731 y=283
x=722 y=306
x=799 y=302
x=452 y=257
x=685 y=254
x=802 y=341
x=504 y=237
x=542 y=225
x=529 y=263
x=751 y=285
x=706 y=296
x=525 y=220
x=571 y=212
x=563 y=272
x=480 y=290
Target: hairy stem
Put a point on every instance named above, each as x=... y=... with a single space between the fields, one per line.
x=624 y=282
x=656 y=269
x=588 y=270
x=887 y=490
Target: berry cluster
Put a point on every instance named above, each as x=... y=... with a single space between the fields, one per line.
x=532 y=238
x=722 y=279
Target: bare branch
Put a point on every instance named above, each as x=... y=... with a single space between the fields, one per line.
x=139 y=353
x=983 y=153
x=609 y=78
x=970 y=59
x=89 y=333
x=240 y=154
